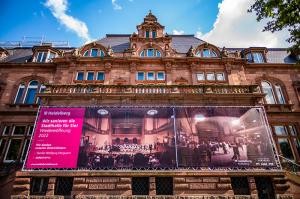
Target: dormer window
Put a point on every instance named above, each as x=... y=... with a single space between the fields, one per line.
x=44 y=56
x=255 y=57
x=94 y=52
x=150 y=52
x=147 y=34
x=153 y=34
x=206 y=52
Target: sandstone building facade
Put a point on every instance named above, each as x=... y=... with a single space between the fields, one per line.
x=149 y=68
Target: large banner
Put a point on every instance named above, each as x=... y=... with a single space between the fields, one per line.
x=151 y=138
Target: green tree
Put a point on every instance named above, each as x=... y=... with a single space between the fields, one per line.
x=281 y=14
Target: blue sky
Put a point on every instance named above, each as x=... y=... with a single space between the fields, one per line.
x=222 y=22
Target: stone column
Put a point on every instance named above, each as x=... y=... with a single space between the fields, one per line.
x=107 y=72
x=132 y=69
x=51 y=186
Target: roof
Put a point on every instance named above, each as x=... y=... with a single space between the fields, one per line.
x=120 y=42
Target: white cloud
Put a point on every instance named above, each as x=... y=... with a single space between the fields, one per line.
x=235 y=27
x=116 y=6
x=59 y=9
x=198 y=34
x=178 y=32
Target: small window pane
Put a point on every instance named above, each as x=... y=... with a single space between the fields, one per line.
x=280 y=130
x=150 y=76
x=90 y=76
x=293 y=130
x=13 y=149
x=6 y=130
x=30 y=96
x=2 y=145
x=200 y=77
x=80 y=76
x=19 y=130
x=101 y=53
x=63 y=186
x=267 y=89
x=51 y=56
x=44 y=57
x=150 y=52
x=38 y=186
x=20 y=94
x=142 y=53
x=100 y=76
x=94 y=53
x=30 y=130
x=160 y=76
x=220 y=76
x=240 y=185
x=39 y=56
x=249 y=57
x=147 y=34
x=213 y=53
x=86 y=53
x=279 y=94
x=210 y=76
x=158 y=54
x=140 y=76
x=153 y=34
x=206 y=53
x=297 y=144
x=24 y=151
x=258 y=58
x=285 y=148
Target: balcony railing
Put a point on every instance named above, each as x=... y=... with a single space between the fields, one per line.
x=150 y=89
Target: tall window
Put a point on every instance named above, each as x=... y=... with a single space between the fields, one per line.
x=288 y=142
x=14 y=141
x=26 y=93
x=272 y=97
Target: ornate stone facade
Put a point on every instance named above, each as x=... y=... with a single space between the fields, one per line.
x=149 y=67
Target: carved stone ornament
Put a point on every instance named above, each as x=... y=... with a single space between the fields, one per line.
x=191 y=52
x=110 y=51
x=224 y=52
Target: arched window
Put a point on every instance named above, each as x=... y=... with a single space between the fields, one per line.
x=94 y=52
x=26 y=93
x=272 y=97
x=150 y=52
x=206 y=52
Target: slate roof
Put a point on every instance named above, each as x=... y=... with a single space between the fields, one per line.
x=120 y=42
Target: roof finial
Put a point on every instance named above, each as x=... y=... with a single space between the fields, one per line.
x=150 y=12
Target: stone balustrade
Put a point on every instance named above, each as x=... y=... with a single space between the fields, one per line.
x=150 y=89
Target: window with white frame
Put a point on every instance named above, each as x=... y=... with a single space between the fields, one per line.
x=206 y=52
x=200 y=76
x=90 y=76
x=26 y=93
x=220 y=76
x=14 y=141
x=150 y=52
x=287 y=140
x=100 y=76
x=273 y=93
x=255 y=57
x=44 y=56
x=160 y=75
x=13 y=150
x=150 y=76
x=94 y=52
x=140 y=76
x=210 y=76
x=80 y=75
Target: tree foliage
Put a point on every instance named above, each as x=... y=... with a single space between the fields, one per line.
x=282 y=14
